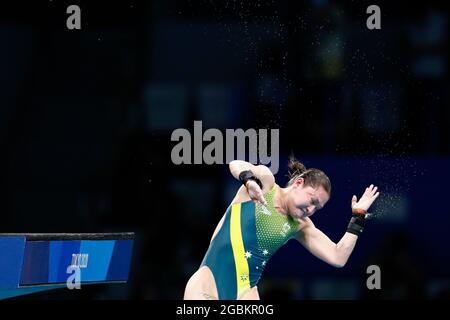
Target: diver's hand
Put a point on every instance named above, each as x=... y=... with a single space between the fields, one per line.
x=364 y=203
x=255 y=192
x=359 y=210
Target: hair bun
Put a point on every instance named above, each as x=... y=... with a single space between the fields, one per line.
x=312 y=176
x=295 y=167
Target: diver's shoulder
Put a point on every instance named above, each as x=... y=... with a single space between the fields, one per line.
x=304 y=223
x=241 y=196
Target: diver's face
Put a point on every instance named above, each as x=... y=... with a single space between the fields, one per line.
x=306 y=200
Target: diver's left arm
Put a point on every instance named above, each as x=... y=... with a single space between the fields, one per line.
x=318 y=243
x=337 y=254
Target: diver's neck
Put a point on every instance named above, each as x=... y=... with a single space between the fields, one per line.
x=279 y=201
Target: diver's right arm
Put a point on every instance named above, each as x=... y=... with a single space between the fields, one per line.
x=261 y=172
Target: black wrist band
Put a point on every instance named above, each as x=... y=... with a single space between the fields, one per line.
x=356 y=225
x=247 y=175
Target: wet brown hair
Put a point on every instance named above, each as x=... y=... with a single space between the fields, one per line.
x=313 y=177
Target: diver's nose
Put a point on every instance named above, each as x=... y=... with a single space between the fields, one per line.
x=311 y=209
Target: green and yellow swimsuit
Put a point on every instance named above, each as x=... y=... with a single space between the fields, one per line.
x=249 y=236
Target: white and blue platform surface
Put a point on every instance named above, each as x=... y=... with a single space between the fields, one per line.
x=33 y=262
